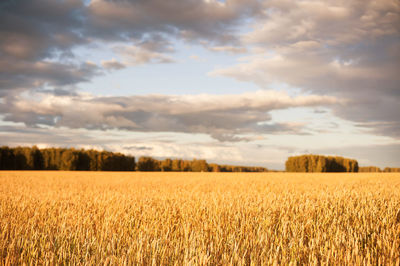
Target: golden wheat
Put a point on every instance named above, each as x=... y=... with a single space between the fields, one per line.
x=199 y=218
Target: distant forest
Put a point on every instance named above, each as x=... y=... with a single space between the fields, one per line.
x=33 y=158
x=375 y=169
x=319 y=163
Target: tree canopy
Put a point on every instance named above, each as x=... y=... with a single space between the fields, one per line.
x=320 y=163
x=33 y=158
x=27 y=158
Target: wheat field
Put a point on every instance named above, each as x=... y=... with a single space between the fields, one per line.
x=199 y=218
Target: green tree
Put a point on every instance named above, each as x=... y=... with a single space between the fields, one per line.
x=199 y=166
x=147 y=164
x=166 y=165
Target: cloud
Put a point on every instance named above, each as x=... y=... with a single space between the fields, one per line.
x=229 y=49
x=37 y=29
x=28 y=74
x=197 y=58
x=223 y=117
x=368 y=155
x=210 y=20
x=31 y=33
x=334 y=23
x=134 y=55
x=164 y=145
x=151 y=49
x=112 y=64
x=159 y=145
x=38 y=39
x=344 y=49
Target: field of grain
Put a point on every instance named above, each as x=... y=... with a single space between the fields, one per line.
x=199 y=218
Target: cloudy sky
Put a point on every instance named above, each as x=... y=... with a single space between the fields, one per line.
x=246 y=82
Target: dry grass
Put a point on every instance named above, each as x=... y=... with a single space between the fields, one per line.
x=199 y=218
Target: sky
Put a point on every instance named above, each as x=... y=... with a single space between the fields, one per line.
x=244 y=82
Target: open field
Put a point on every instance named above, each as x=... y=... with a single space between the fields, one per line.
x=199 y=218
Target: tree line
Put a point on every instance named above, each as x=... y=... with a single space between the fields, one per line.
x=375 y=169
x=320 y=163
x=195 y=165
x=33 y=158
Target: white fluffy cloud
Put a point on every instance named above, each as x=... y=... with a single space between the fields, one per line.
x=224 y=117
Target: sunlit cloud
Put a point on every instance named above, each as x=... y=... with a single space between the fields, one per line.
x=258 y=58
